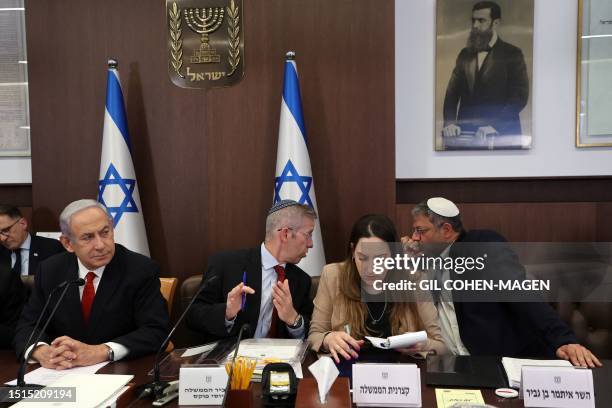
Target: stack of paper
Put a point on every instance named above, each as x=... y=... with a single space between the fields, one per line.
x=513 y=367
x=267 y=351
x=45 y=376
x=92 y=390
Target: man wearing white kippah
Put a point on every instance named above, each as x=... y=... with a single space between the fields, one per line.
x=500 y=326
x=260 y=286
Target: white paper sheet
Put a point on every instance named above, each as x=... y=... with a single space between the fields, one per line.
x=513 y=367
x=399 y=341
x=193 y=351
x=45 y=376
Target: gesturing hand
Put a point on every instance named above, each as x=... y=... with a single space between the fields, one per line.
x=282 y=301
x=234 y=300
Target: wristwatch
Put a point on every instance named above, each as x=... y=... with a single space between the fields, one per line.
x=111 y=354
x=297 y=323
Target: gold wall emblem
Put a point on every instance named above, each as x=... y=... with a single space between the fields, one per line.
x=205 y=42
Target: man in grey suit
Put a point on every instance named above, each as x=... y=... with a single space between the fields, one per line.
x=489 y=85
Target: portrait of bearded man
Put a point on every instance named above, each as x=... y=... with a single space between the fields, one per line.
x=488 y=87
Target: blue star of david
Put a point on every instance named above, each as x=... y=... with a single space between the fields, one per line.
x=291 y=175
x=112 y=177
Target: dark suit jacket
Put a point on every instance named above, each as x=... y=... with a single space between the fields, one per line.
x=505 y=328
x=491 y=96
x=207 y=314
x=128 y=307
x=12 y=297
x=41 y=248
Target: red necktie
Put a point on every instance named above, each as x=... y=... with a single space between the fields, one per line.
x=88 y=295
x=273 y=332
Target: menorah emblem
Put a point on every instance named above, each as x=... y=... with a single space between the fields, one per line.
x=205 y=42
x=204 y=21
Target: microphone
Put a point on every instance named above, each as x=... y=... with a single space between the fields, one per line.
x=245 y=328
x=25 y=356
x=157 y=387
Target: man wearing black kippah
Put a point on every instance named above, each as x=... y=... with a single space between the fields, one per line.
x=260 y=286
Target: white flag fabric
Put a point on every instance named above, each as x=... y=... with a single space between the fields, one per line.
x=293 y=179
x=117 y=187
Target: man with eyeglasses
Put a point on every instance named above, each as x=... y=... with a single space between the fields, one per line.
x=501 y=328
x=260 y=286
x=21 y=251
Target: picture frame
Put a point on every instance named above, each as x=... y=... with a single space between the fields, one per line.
x=594 y=74
x=484 y=74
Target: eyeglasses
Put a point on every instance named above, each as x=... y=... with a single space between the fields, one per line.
x=6 y=231
x=420 y=231
x=307 y=235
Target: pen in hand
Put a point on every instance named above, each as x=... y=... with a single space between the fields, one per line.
x=244 y=282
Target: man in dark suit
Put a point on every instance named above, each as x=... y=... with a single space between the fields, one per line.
x=12 y=296
x=118 y=313
x=275 y=290
x=21 y=251
x=499 y=326
x=489 y=85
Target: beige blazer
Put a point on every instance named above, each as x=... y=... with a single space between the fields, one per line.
x=329 y=316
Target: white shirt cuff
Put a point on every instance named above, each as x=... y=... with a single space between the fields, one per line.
x=298 y=332
x=119 y=350
x=229 y=324
x=29 y=350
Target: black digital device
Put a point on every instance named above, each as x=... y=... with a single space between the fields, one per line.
x=278 y=385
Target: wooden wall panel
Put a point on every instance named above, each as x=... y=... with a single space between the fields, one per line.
x=205 y=160
x=529 y=222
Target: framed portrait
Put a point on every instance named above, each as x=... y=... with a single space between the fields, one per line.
x=594 y=74
x=484 y=70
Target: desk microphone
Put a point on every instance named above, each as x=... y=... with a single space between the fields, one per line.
x=25 y=356
x=157 y=387
x=245 y=328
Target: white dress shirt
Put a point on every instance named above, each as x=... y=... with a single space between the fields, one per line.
x=483 y=54
x=268 y=279
x=119 y=350
x=25 y=255
x=448 y=317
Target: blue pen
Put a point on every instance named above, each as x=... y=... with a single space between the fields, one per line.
x=244 y=282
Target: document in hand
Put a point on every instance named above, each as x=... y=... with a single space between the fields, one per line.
x=513 y=367
x=399 y=341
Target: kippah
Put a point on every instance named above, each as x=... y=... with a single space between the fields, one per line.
x=443 y=207
x=282 y=204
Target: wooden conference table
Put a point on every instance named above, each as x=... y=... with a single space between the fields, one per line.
x=140 y=367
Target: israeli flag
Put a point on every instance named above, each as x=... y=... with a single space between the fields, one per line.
x=293 y=173
x=117 y=187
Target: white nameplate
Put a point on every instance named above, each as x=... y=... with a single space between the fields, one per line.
x=390 y=385
x=204 y=385
x=557 y=387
